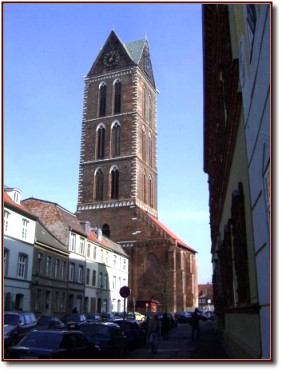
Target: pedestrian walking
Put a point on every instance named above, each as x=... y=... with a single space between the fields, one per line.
x=154 y=330
x=165 y=326
x=195 y=319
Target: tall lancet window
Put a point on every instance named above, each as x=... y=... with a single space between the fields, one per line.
x=100 y=142
x=102 y=99
x=117 y=98
x=144 y=144
x=99 y=182
x=150 y=144
x=150 y=191
x=144 y=187
x=116 y=139
x=114 y=183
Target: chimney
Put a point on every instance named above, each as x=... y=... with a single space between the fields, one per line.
x=86 y=226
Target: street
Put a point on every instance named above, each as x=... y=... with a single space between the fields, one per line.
x=180 y=346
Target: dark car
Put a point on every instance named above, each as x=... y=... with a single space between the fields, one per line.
x=182 y=317
x=49 y=322
x=108 y=336
x=73 y=321
x=107 y=317
x=17 y=325
x=53 y=344
x=93 y=317
x=135 y=334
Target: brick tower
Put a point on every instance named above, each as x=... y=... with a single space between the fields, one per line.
x=118 y=174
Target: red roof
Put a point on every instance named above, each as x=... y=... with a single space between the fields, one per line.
x=92 y=236
x=20 y=207
x=171 y=234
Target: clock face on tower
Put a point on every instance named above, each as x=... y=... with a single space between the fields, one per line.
x=111 y=59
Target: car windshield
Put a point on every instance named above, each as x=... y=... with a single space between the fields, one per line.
x=11 y=319
x=42 y=340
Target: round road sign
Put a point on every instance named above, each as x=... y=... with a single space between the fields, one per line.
x=124 y=291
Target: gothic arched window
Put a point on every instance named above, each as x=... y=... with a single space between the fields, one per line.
x=144 y=188
x=117 y=97
x=99 y=182
x=144 y=144
x=102 y=99
x=114 y=183
x=100 y=142
x=106 y=230
x=116 y=139
x=150 y=188
x=150 y=150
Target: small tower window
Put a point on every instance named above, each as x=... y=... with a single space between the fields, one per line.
x=106 y=230
x=144 y=144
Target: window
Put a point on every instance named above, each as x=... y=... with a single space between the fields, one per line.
x=102 y=100
x=22 y=266
x=124 y=264
x=114 y=282
x=87 y=276
x=107 y=258
x=95 y=253
x=101 y=142
x=100 y=280
x=150 y=191
x=106 y=230
x=105 y=281
x=6 y=217
x=150 y=150
x=71 y=272
x=116 y=139
x=99 y=185
x=88 y=250
x=63 y=269
x=6 y=261
x=81 y=246
x=80 y=274
x=144 y=188
x=48 y=266
x=143 y=144
x=114 y=183
x=101 y=256
x=117 y=99
x=93 y=278
x=115 y=261
x=24 y=228
x=57 y=268
x=72 y=242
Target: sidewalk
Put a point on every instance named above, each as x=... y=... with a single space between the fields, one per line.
x=180 y=346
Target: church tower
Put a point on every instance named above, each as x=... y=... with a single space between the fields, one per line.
x=118 y=161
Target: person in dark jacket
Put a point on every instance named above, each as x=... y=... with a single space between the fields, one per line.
x=195 y=319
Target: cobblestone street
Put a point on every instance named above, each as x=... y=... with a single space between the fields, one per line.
x=180 y=346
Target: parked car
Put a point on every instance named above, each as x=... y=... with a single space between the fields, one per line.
x=73 y=321
x=107 y=317
x=53 y=344
x=182 y=317
x=49 y=322
x=17 y=325
x=108 y=336
x=138 y=316
x=93 y=317
x=135 y=334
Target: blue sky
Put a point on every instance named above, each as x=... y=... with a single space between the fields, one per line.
x=48 y=48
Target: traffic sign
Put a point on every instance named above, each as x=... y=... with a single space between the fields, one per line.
x=124 y=291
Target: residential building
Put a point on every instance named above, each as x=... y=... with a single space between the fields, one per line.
x=118 y=175
x=237 y=96
x=19 y=235
x=49 y=274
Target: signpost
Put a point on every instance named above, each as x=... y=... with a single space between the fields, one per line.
x=124 y=293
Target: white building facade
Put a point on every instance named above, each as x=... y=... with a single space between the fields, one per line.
x=19 y=234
